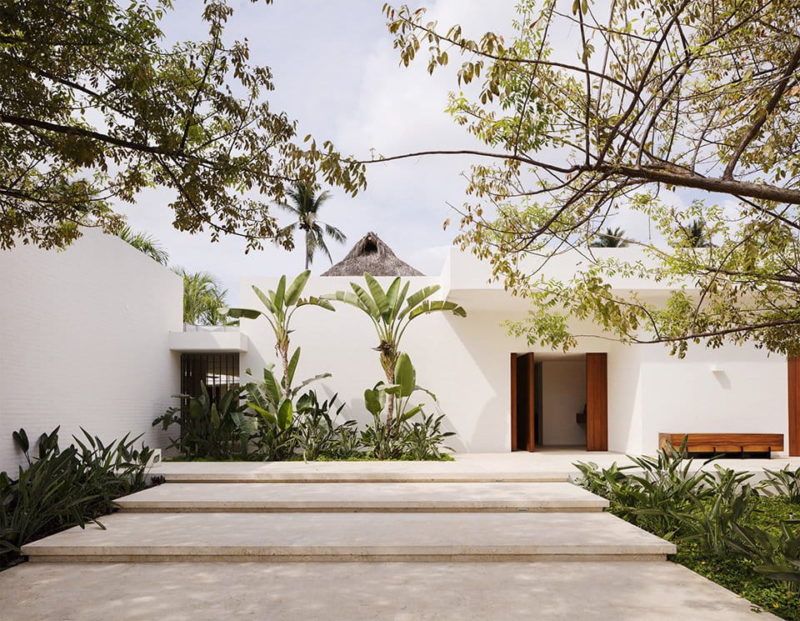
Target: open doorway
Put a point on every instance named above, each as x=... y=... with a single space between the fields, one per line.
x=559 y=401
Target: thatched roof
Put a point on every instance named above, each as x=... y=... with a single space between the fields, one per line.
x=373 y=256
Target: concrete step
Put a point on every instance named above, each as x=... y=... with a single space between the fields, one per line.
x=352 y=472
x=599 y=591
x=352 y=536
x=229 y=497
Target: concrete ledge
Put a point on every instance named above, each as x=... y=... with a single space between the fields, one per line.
x=207 y=341
x=352 y=536
x=395 y=497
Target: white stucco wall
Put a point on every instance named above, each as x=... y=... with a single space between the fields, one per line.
x=466 y=363
x=84 y=341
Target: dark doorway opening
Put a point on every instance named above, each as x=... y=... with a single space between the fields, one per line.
x=523 y=402
x=527 y=388
x=219 y=372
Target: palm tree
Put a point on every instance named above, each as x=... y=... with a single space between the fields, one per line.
x=612 y=238
x=203 y=298
x=697 y=234
x=305 y=204
x=144 y=243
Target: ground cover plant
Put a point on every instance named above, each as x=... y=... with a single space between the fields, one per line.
x=741 y=535
x=60 y=488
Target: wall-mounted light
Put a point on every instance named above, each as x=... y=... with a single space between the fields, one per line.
x=715 y=368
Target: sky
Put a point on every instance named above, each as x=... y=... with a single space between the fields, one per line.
x=336 y=72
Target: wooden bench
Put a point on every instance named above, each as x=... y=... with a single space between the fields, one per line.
x=723 y=442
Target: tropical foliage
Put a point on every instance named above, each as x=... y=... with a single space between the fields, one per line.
x=305 y=204
x=279 y=308
x=209 y=429
x=59 y=488
x=145 y=243
x=391 y=311
x=658 y=96
x=203 y=298
x=275 y=417
x=739 y=534
x=97 y=106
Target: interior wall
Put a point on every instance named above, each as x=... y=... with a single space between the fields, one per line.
x=84 y=342
x=563 y=396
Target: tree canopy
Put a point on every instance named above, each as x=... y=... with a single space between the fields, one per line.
x=592 y=109
x=94 y=107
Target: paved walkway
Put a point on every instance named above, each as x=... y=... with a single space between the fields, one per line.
x=483 y=537
x=548 y=465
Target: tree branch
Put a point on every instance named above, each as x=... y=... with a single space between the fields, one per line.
x=755 y=129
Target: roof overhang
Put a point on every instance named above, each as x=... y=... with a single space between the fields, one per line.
x=208 y=342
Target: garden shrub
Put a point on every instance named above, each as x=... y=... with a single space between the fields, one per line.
x=58 y=489
x=724 y=527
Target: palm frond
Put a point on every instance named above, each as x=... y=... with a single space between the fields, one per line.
x=305 y=203
x=145 y=243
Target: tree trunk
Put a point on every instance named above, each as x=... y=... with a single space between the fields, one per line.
x=388 y=363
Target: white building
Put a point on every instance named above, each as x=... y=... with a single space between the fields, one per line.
x=92 y=337
x=84 y=342
x=498 y=393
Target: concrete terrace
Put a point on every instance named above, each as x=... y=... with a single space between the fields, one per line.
x=482 y=537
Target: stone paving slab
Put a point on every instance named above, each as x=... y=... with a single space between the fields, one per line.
x=197 y=497
x=554 y=591
x=347 y=536
x=546 y=465
x=349 y=472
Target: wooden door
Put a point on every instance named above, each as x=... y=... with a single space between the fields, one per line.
x=523 y=399
x=794 y=406
x=597 y=402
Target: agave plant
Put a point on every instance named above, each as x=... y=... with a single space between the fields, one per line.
x=391 y=311
x=281 y=306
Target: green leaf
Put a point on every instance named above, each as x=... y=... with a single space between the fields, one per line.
x=285 y=414
x=280 y=294
x=269 y=416
x=292 y=367
x=378 y=294
x=247 y=313
x=265 y=300
x=405 y=375
x=271 y=387
x=295 y=290
x=418 y=296
x=21 y=440
x=367 y=303
x=437 y=305
x=375 y=400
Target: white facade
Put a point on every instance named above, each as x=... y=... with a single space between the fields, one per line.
x=84 y=341
x=466 y=362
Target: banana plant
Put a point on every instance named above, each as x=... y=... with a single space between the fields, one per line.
x=402 y=388
x=391 y=311
x=281 y=305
